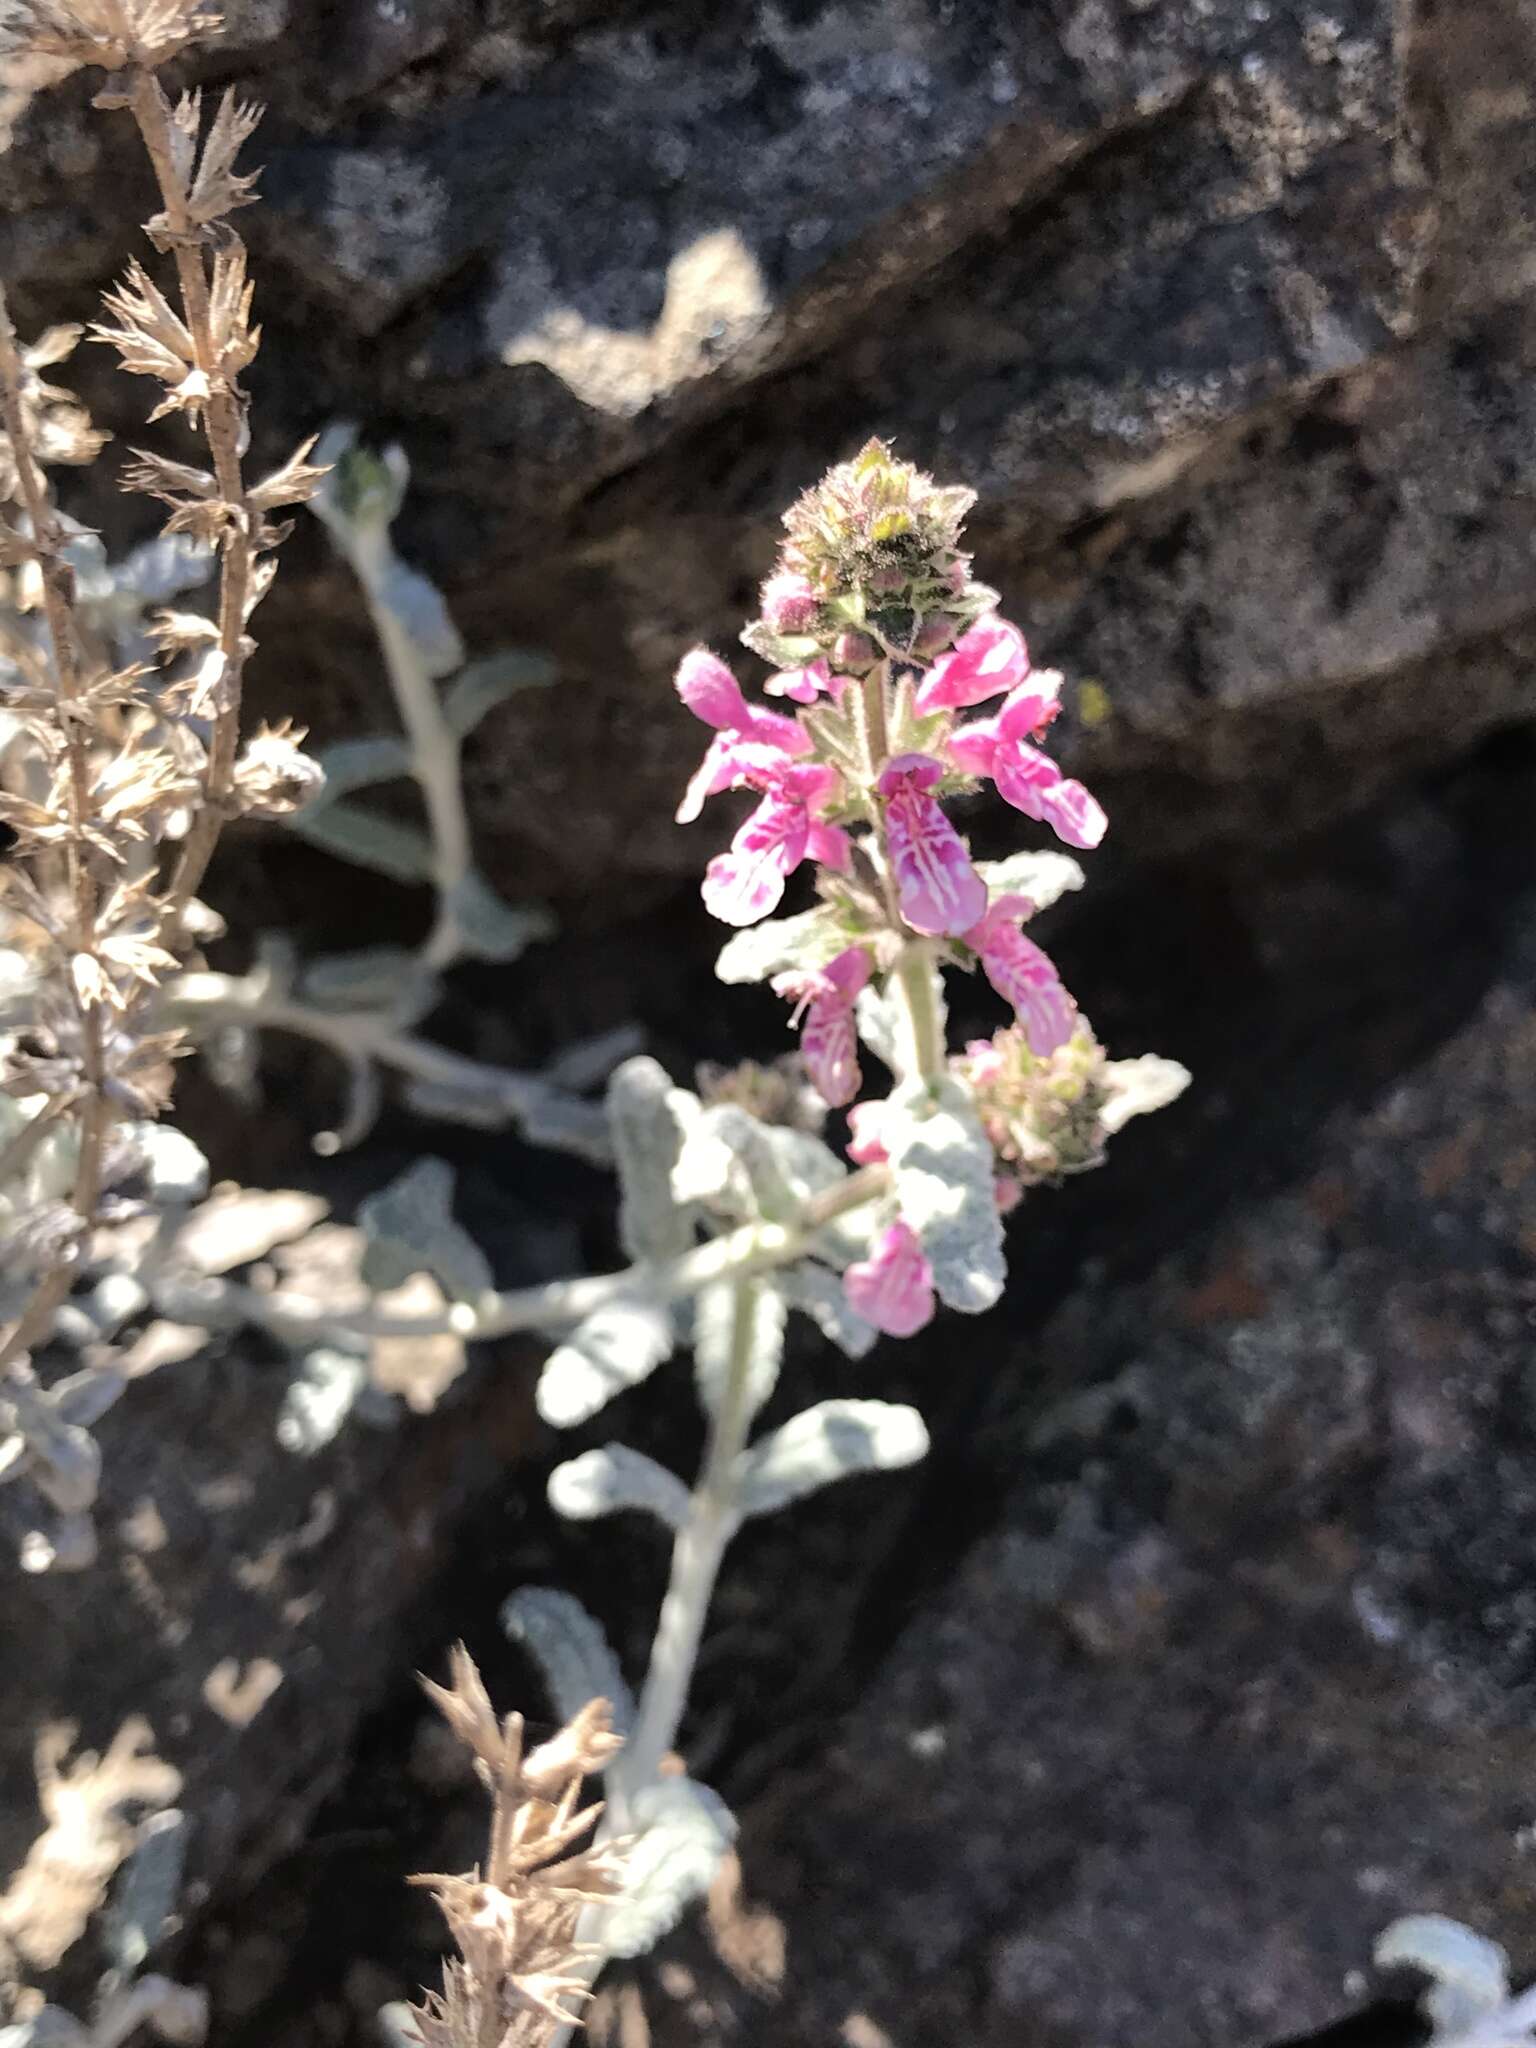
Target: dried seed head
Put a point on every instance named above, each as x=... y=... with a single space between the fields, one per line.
x=273 y=778
x=113 y=33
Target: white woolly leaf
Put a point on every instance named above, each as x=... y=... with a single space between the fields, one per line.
x=410 y=1228
x=819 y=1295
x=173 y=1167
x=50 y=2027
x=616 y=1347
x=572 y=1653
x=484 y=684
x=681 y=1830
x=942 y=1168
x=747 y=1314
x=1471 y=1973
x=491 y=929
x=880 y=1024
x=728 y=1153
x=607 y=1481
x=1137 y=1087
x=647 y=1138
x=367 y=840
x=84 y=1397
x=1042 y=877
x=359 y=764
x=833 y=1440
x=778 y=943
x=327 y=1385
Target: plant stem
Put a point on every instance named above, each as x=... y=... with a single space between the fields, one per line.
x=696 y=1553
x=754 y=1248
x=918 y=979
x=434 y=749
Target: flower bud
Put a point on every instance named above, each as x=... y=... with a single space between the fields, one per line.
x=789 y=605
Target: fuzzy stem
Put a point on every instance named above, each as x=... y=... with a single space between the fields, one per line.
x=224 y=431
x=434 y=756
x=696 y=1554
x=57 y=584
x=917 y=977
x=754 y=1248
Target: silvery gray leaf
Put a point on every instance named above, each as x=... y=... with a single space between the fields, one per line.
x=748 y=1314
x=833 y=1440
x=422 y=612
x=172 y=1165
x=1470 y=1972
x=361 y=763
x=368 y=840
x=807 y=1163
x=615 y=1348
x=571 y=1651
x=482 y=685
x=819 y=1295
x=681 y=1830
x=84 y=1397
x=491 y=929
x=146 y=1891
x=647 y=1138
x=779 y=943
x=322 y=1393
x=942 y=1167
x=729 y=1155
x=564 y=1123
x=410 y=1228
x=610 y=1480
x=1042 y=877
x=587 y=1061
x=1137 y=1087
x=372 y=978
x=879 y=1022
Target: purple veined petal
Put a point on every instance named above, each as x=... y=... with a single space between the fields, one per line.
x=829 y=1045
x=711 y=692
x=831 y=846
x=848 y=973
x=973 y=749
x=1076 y=817
x=986 y=660
x=1026 y=977
x=1032 y=706
x=804 y=685
x=785 y=735
x=865 y=1145
x=713 y=774
x=747 y=882
x=938 y=889
x=893 y=1287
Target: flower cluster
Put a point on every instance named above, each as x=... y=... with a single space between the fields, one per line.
x=883 y=643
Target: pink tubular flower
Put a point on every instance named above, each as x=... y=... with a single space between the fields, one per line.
x=824 y=998
x=805 y=685
x=986 y=660
x=939 y=890
x=893 y=1287
x=746 y=883
x=789 y=605
x=865 y=1145
x=747 y=739
x=1023 y=975
x=1029 y=780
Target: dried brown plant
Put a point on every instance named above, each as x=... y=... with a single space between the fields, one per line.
x=514 y=1923
x=134 y=770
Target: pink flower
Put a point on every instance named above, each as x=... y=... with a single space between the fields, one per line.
x=1023 y=975
x=824 y=998
x=893 y=1287
x=865 y=1145
x=805 y=685
x=747 y=740
x=938 y=889
x=744 y=884
x=986 y=660
x=789 y=605
x=1026 y=778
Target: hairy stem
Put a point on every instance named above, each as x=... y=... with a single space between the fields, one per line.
x=922 y=992
x=754 y=1248
x=696 y=1554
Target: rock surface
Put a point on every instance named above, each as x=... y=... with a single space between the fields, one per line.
x=1225 y=310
